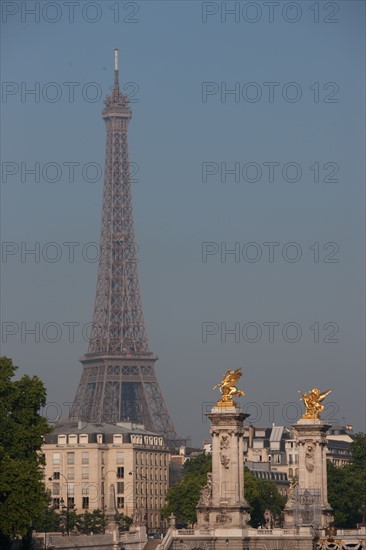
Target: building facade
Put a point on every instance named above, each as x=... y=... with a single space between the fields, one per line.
x=121 y=468
x=272 y=452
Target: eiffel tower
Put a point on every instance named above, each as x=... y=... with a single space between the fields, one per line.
x=118 y=381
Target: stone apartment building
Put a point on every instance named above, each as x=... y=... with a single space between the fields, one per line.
x=92 y=466
x=271 y=452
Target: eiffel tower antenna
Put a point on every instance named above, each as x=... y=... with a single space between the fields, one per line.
x=118 y=382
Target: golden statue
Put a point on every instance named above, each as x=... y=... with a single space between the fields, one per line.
x=228 y=388
x=312 y=400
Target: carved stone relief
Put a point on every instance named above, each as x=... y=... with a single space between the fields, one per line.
x=223 y=519
x=224 y=442
x=224 y=461
x=309 y=458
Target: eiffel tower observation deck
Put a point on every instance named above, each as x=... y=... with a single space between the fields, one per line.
x=118 y=381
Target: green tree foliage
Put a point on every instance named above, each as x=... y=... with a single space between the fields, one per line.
x=22 y=493
x=85 y=522
x=183 y=497
x=70 y=520
x=123 y=522
x=49 y=519
x=358 y=449
x=347 y=486
x=262 y=494
x=198 y=466
x=91 y=522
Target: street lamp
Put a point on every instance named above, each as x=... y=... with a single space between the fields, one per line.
x=62 y=500
x=146 y=497
x=362 y=511
x=271 y=517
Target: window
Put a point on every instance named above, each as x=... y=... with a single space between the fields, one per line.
x=117 y=439
x=85 y=457
x=56 y=488
x=56 y=475
x=56 y=458
x=120 y=502
x=73 y=439
x=120 y=472
x=121 y=458
x=70 y=473
x=84 y=473
x=102 y=457
x=71 y=458
x=85 y=503
x=71 y=488
x=120 y=487
x=61 y=440
x=100 y=439
x=83 y=439
x=85 y=489
x=290 y=459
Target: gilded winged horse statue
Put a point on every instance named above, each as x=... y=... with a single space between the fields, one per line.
x=312 y=400
x=228 y=388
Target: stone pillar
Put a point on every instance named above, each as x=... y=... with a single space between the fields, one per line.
x=312 y=490
x=110 y=515
x=222 y=502
x=172 y=521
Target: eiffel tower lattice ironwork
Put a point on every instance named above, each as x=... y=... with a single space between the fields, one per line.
x=118 y=381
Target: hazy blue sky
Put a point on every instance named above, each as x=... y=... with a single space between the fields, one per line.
x=315 y=121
